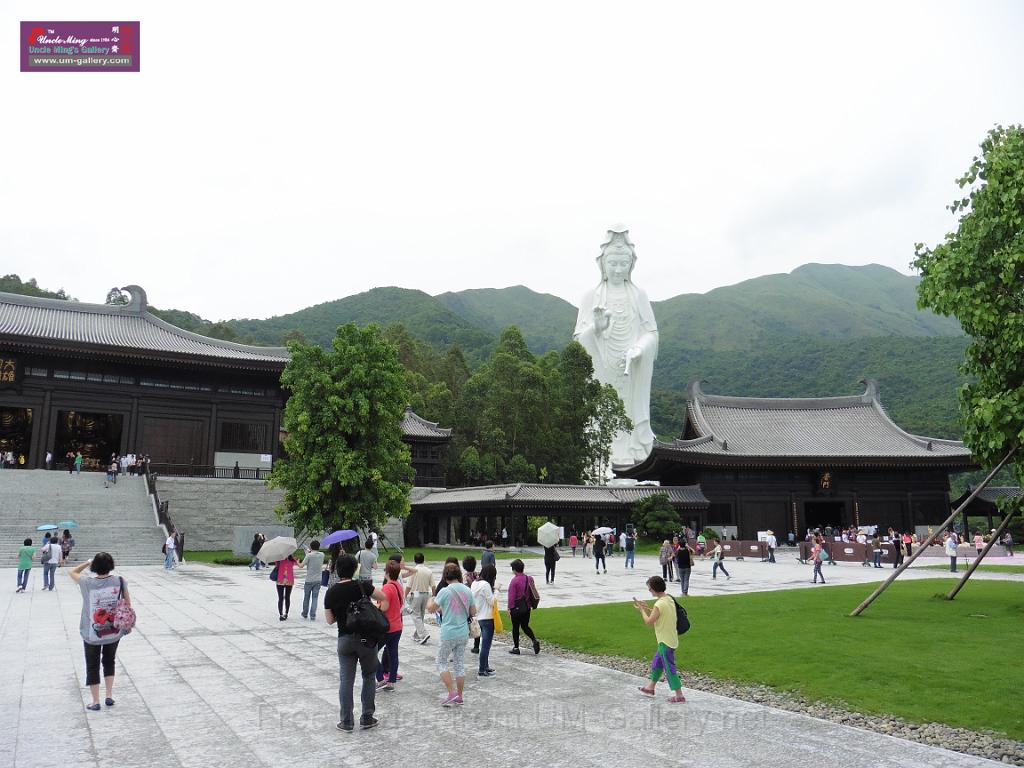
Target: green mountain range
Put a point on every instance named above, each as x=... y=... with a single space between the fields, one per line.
x=816 y=331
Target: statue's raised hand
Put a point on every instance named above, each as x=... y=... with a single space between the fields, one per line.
x=602 y=318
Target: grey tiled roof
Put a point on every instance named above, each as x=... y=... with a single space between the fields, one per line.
x=416 y=426
x=992 y=493
x=129 y=328
x=539 y=494
x=819 y=429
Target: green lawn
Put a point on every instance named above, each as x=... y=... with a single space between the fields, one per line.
x=911 y=654
x=983 y=567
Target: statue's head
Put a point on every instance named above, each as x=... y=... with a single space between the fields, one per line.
x=618 y=246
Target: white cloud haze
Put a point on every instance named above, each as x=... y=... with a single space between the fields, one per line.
x=272 y=156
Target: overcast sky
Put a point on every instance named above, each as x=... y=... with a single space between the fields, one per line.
x=271 y=156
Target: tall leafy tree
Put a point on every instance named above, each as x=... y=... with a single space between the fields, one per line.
x=977 y=275
x=656 y=517
x=346 y=463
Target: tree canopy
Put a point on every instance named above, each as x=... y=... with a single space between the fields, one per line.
x=977 y=275
x=346 y=464
x=655 y=516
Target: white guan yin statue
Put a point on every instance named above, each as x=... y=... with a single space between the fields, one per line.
x=616 y=326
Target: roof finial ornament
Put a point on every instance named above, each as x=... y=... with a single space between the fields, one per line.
x=138 y=302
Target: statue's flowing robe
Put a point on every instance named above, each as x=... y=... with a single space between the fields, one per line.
x=634 y=389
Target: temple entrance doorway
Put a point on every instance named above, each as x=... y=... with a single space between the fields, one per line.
x=96 y=435
x=15 y=436
x=823 y=514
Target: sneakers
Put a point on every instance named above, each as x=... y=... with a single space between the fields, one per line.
x=365 y=725
x=381 y=684
x=536 y=647
x=458 y=700
x=109 y=702
x=514 y=651
x=474 y=650
x=423 y=640
x=342 y=727
x=486 y=673
x=93 y=707
x=450 y=700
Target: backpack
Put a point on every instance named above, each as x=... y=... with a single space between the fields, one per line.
x=124 y=614
x=682 y=620
x=366 y=620
x=630 y=544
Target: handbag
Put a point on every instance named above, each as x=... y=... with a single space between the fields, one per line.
x=496 y=615
x=124 y=614
x=273 y=573
x=557 y=556
x=474 y=628
x=533 y=596
x=325 y=578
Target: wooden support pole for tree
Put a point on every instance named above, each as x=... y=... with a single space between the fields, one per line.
x=977 y=561
x=928 y=542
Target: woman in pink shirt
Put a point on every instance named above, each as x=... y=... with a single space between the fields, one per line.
x=392 y=589
x=979 y=542
x=285 y=582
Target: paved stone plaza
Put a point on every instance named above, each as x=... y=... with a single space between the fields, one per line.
x=210 y=677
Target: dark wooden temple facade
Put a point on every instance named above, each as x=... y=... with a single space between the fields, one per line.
x=789 y=464
x=108 y=379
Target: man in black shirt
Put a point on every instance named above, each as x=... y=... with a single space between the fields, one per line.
x=352 y=648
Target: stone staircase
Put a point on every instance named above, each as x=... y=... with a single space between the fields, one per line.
x=208 y=510
x=119 y=520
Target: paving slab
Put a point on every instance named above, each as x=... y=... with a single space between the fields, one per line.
x=211 y=677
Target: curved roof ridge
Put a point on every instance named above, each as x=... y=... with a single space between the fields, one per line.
x=698 y=397
x=137 y=308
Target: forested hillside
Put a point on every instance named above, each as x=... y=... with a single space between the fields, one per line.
x=816 y=331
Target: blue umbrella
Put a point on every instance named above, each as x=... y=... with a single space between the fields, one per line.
x=338 y=536
x=47 y=527
x=67 y=524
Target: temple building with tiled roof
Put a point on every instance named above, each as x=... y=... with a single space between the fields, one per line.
x=789 y=464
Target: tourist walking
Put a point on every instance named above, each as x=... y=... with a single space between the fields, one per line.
x=485 y=602
x=684 y=565
x=367 y=559
x=67 y=544
x=717 y=555
x=49 y=556
x=599 y=562
x=421 y=587
x=876 y=549
x=169 y=546
x=1008 y=543
x=979 y=543
x=487 y=557
x=588 y=546
x=662 y=616
x=258 y=540
x=772 y=544
x=455 y=602
x=522 y=599
x=574 y=542
x=630 y=548
x=313 y=562
x=284 y=579
x=25 y=554
x=665 y=558
x=78 y=463
x=951 y=551
x=100 y=596
x=353 y=648
x=550 y=558
x=387 y=669
x=816 y=559
x=897 y=548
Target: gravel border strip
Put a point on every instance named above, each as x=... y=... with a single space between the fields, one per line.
x=987 y=744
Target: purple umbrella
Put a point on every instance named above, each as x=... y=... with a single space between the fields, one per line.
x=338 y=536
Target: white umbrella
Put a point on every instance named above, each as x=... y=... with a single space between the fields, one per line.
x=601 y=531
x=277 y=548
x=548 y=534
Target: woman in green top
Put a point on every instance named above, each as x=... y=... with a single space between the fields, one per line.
x=25 y=553
x=662 y=616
